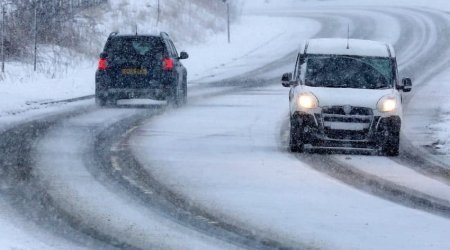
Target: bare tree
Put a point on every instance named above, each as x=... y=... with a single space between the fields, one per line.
x=54 y=18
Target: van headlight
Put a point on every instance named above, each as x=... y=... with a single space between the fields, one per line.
x=307 y=100
x=387 y=104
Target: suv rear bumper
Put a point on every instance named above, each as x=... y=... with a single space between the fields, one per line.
x=128 y=93
x=106 y=88
x=317 y=135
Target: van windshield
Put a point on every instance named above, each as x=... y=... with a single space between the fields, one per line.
x=349 y=72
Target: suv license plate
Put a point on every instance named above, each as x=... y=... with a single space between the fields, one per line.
x=132 y=71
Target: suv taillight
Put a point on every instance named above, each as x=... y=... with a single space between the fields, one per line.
x=102 y=64
x=167 y=64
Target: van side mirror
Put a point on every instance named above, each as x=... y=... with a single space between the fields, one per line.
x=286 y=79
x=183 y=55
x=407 y=84
x=302 y=59
x=103 y=55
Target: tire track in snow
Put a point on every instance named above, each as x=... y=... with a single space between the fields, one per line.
x=119 y=163
x=29 y=195
x=83 y=188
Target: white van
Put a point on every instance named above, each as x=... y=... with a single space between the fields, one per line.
x=345 y=93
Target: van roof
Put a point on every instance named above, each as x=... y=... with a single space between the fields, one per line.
x=357 y=47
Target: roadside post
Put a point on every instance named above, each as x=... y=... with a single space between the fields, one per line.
x=228 y=19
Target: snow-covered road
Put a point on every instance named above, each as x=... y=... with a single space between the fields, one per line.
x=217 y=174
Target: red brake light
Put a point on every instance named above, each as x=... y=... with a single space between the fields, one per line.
x=167 y=64
x=102 y=64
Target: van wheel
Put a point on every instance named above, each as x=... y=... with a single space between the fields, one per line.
x=391 y=145
x=296 y=137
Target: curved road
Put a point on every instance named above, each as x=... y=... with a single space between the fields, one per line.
x=75 y=175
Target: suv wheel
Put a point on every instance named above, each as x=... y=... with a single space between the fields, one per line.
x=184 y=92
x=100 y=101
x=174 y=97
x=295 y=137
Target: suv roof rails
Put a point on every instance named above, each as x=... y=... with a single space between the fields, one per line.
x=114 y=33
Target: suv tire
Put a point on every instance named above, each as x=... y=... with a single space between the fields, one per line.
x=173 y=98
x=184 y=92
x=100 y=101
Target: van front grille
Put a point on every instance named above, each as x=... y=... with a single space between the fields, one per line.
x=347 y=122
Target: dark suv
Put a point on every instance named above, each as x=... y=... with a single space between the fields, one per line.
x=140 y=66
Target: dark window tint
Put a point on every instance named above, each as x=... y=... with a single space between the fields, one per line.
x=135 y=49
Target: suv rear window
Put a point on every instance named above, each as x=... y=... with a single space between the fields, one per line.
x=349 y=72
x=135 y=49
